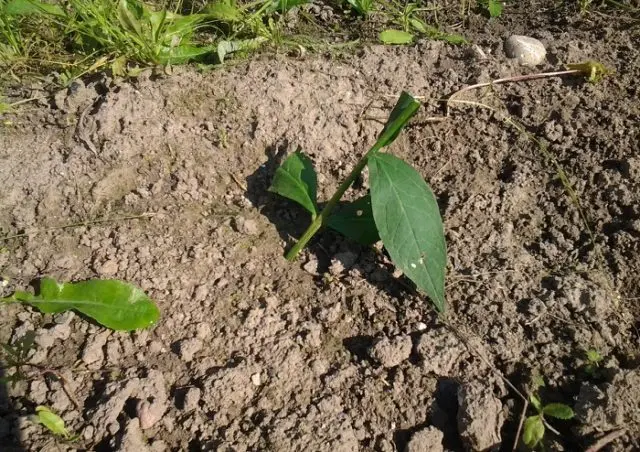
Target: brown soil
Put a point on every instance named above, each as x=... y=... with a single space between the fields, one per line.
x=257 y=353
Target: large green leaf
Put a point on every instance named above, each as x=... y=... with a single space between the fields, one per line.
x=408 y=220
x=558 y=410
x=355 y=221
x=395 y=37
x=31 y=7
x=114 y=304
x=533 y=431
x=296 y=180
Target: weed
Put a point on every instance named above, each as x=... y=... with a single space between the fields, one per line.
x=492 y=7
x=594 y=360
x=407 y=17
x=114 y=304
x=362 y=7
x=400 y=208
x=16 y=357
x=536 y=425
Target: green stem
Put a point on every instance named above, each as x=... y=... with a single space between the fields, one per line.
x=386 y=137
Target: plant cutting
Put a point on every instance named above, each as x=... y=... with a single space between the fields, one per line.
x=400 y=208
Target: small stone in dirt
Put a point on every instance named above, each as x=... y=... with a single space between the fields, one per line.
x=189 y=347
x=256 y=379
x=480 y=416
x=311 y=266
x=426 y=440
x=526 y=50
x=391 y=352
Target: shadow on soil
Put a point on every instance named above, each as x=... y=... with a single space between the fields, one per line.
x=9 y=436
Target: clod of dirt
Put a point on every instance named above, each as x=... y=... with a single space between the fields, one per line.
x=428 y=439
x=132 y=438
x=526 y=50
x=153 y=399
x=187 y=348
x=342 y=261
x=480 y=416
x=440 y=351
x=191 y=399
x=246 y=226
x=93 y=353
x=391 y=352
x=610 y=405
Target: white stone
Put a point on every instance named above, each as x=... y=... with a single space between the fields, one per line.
x=527 y=51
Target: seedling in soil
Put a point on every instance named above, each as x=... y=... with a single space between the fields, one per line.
x=594 y=360
x=535 y=426
x=400 y=208
x=492 y=7
x=113 y=304
x=16 y=357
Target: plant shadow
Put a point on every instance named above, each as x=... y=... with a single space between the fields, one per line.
x=9 y=416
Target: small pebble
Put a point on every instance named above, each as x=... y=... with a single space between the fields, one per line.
x=255 y=379
x=527 y=51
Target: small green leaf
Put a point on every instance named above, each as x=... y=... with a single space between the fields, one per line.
x=495 y=8
x=533 y=431
x=355 y=221
x=408 y=220
x=405 y=108
x=51 y=421
x=593 y=356
x=182 y=53
x=114 y=304
x=395 y=37
x=537 y=382
x=128 y=15
x=558 y=410
x=296 y=179
x=535 y=401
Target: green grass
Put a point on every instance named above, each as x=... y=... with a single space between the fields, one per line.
x=70 y=38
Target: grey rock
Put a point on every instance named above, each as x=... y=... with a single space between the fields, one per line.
x=426 y=440
x=526 y=50
x=391 y=352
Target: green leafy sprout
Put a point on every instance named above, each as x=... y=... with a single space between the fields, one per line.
x=400 y=208
x=535 y=426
